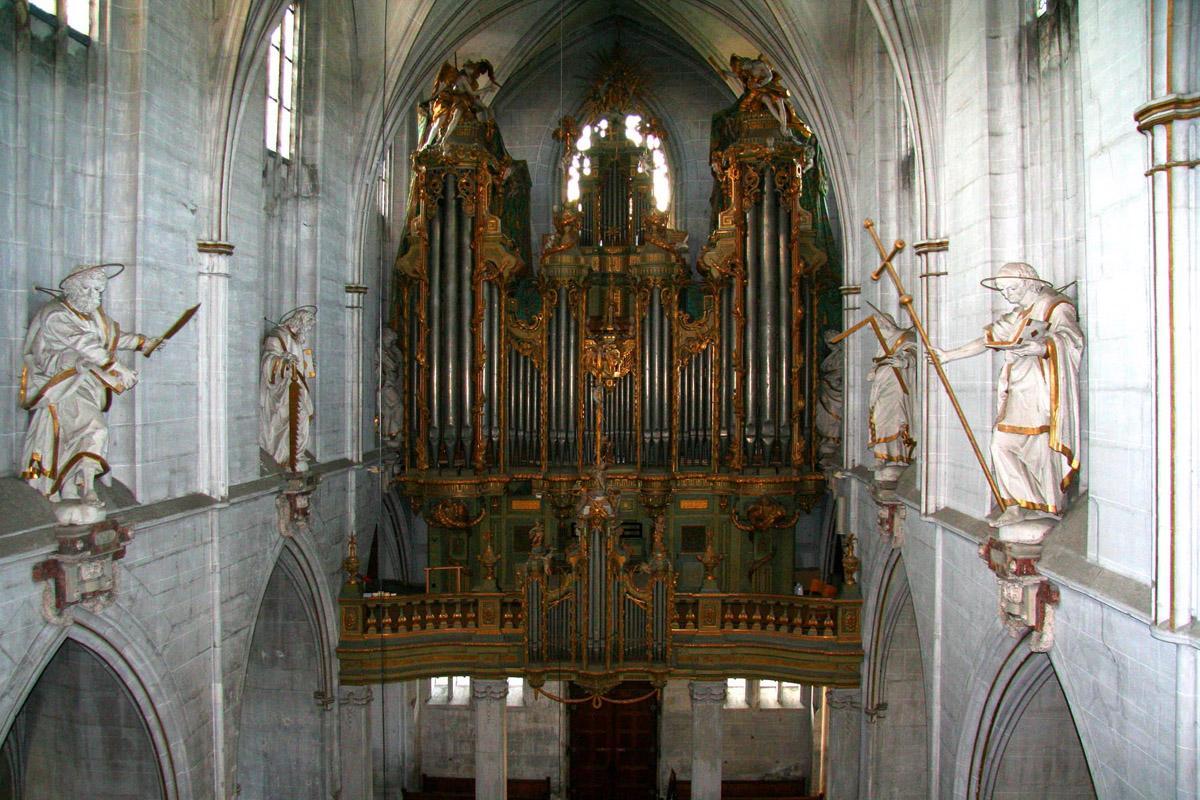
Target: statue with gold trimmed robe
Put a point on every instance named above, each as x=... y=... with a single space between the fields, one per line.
x=890 y=406
x=1036 y=437
x=391 y=402
x=285 y=392
x=830 y=395
x=69 y=375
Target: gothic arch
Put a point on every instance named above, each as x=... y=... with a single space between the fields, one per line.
x=894 y=702
x=149 y=685
x=247 y=25
x=783 y=40
x=296 y=557
x=1023 y=678
x=289 y=677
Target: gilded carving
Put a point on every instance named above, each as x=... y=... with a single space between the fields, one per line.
x=454 y=514
x=764 y=514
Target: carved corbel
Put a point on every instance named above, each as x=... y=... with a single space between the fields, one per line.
x=1027 y=598
x=292 y=506
x=83 y=571
x=891 y=522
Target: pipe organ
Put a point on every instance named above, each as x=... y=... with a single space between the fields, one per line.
x=692 y=388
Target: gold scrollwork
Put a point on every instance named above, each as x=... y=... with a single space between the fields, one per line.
x=764 y=514
x=609 y=358
x=454 y=514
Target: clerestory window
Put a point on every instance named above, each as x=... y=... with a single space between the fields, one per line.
x=77 y=14
x=281 y=84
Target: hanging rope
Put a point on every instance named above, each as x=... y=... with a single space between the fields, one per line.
x=596 y=699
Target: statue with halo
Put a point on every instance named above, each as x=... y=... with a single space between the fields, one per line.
x=70 y=372
x=284 y=394
x=1036 y=436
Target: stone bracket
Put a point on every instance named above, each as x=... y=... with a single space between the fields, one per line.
x=890 y=521
x=83 y=571
x=292 y=505
x=1027 y=598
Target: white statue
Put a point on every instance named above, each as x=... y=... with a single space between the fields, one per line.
x=285 y=402
x=391 y=401
x=829 y=405
x=1035 y=441
x=890 y=406
x=69 y=375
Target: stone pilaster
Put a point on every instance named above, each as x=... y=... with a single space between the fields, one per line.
x=843 y=710
x=708 y=698
x=213 y=411
x=354 y=708
x=355 y=294
x=491 y=739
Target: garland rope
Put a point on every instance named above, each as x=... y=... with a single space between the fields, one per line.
x=595 y=698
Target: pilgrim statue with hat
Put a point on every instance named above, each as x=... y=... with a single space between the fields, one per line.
x=890 y=406
x=284 y=393
x=1035 y=441
x=69 y=374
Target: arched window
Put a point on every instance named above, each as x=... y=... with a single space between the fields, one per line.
x=282 y=60
x=640 y=135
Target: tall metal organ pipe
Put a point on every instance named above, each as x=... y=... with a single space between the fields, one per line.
x=784 y=415
x=753 y=359
x=437 y=419
x=449 y=302
x=728 y=377
x=465 y=350
x=767 y=306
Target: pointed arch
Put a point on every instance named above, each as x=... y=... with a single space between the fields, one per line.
x=115 y=639
x=894 y=692
x=289 y=678
x=1022 y=679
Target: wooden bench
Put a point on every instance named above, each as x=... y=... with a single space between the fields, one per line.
x=434 y=787
x=753 y=790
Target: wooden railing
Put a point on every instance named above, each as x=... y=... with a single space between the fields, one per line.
x=701 y=636
x=785 y=615
x=386 y=616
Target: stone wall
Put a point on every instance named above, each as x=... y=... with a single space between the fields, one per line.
x=756 y=743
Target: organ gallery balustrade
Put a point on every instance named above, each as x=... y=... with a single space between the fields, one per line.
x=802 y=639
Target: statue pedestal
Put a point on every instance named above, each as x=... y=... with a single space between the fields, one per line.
x=887 y=475
x=1026 y=531
x=1027 y=598
x=74 y=513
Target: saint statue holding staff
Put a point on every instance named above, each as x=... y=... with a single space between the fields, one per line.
x=1036 y=436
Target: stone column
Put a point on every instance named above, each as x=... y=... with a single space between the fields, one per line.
x=843 y=710
x=708 y=698
x=1172 y=128
x=213 y=341
x=491 y=739
x=355 y=741
x=355 y=294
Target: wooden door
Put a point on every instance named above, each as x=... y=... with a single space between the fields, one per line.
x=614 y=748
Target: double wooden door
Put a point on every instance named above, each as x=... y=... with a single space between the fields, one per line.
x=614 y=748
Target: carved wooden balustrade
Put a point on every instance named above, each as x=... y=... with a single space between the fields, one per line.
x=648 y=631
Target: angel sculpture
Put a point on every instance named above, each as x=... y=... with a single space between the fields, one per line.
x=763 y=87
x=457 y=92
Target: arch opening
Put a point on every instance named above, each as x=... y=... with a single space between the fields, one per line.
x=79 y=734
x=1028 y=745
x=281 y=746
x=898 y=726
